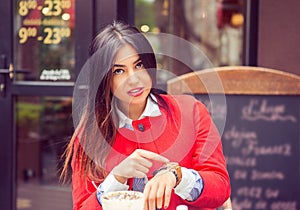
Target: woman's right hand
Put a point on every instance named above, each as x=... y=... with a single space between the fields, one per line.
x=136 y=165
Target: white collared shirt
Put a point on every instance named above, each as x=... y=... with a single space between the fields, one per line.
x=151 y=110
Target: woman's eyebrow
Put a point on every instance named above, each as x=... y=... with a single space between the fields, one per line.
x=120 y=65
x=138 y=60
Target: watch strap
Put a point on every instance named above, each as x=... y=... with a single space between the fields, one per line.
x=172 y=167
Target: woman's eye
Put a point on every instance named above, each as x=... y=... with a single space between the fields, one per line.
x=118 y=71
x=139 y=65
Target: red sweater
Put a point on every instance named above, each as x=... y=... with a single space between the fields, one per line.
x=187 y=136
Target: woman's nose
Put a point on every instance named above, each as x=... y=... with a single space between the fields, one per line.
x=132 y=77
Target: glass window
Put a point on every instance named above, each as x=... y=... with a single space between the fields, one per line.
x=44 y=46
x=215 y=27
x=44 y=127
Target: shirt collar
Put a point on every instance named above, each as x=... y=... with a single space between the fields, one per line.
x=151 y=110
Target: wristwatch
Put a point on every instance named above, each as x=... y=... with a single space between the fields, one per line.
x=172 y=167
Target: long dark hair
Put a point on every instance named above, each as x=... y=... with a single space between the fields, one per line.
x=97 y=128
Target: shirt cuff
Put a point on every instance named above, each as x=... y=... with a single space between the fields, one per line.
x=111 y=184
x=186 y=184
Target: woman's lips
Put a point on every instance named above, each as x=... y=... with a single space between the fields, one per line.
x=135 y=92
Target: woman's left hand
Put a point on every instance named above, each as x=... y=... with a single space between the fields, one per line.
x=158 y=190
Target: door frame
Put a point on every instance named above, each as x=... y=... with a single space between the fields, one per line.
x=7 y=146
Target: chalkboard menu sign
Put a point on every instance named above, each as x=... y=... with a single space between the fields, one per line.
x=261 y=142
x=257 y=111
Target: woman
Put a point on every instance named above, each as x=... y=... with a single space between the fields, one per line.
x=130 y=135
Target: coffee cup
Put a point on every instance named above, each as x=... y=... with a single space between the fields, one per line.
x=124 y=200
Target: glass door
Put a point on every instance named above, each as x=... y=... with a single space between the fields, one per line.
x=224 y=31
x=42 y=49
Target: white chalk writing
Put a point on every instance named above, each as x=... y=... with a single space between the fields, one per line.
x=270 y=193
x=241 y=205
x=233 y=133
x=251 y=192
x=260 y=110
x=284 y=205
x=284 y=149
x=261 y=205
x=240 y=174
x=241 y=161
x=281 y=149
x=238 y=136
x=266 y=175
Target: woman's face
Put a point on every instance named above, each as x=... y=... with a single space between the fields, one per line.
x=130 y=82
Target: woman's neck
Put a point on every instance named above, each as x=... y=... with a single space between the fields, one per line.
x=132 y=111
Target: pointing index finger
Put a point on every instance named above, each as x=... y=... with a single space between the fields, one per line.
x=152 y=155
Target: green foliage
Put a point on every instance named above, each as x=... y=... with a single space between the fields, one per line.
x=28 y=113
x=144 y=13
